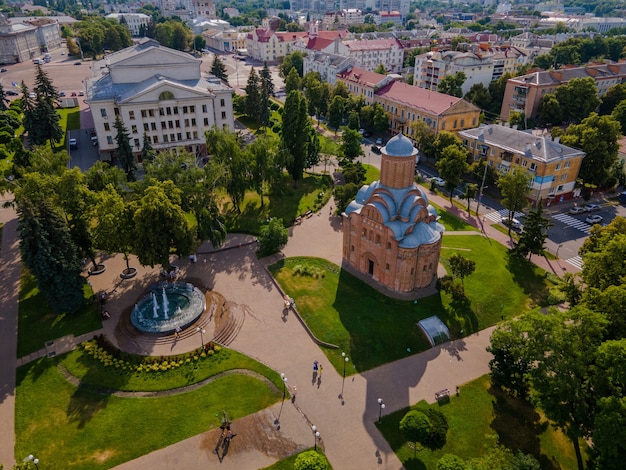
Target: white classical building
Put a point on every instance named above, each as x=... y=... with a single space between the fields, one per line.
x=134 y=21
x=159 y=92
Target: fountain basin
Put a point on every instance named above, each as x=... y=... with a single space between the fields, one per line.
x=168 y=306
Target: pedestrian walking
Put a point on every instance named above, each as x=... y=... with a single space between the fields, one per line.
x=321 y=370
x=315 y=366
x=177 y=332
x=293 y=394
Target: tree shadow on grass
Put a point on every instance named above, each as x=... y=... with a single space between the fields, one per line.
x=530 y=278
x=460 y=318
x=519 y=426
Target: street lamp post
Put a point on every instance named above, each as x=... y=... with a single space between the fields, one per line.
x=33 y=459
x=316 y=436
x=381 y=407
x=282 y=376
x=345 y=361
x=202 y=331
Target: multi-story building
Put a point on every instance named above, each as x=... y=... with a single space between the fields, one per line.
x=524 y=93
x=136 y=22
x=334 y=19
x=158 y=92
x=406 y=104
x=370 y=53
x=203 y=8
x=431 y=67
x=553 y=166
x=327 y=65
x=18 y=42
x=270 y=46
x=229 y=40
x=48 y=34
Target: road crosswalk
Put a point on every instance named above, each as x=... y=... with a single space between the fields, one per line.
x=576 y=261
x=496 y=216
x=573 y=222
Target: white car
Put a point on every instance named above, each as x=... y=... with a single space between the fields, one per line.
x=515 y=224
x=577 y=210
x=592 y=207
x=73 y=144
x=594 y=219
x=438 y=181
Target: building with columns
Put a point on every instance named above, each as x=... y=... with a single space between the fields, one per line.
x=390 y=231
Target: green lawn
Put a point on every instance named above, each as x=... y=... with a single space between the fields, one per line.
x=292 y=202
x=37 y=324
x=342 y=310
x=451 y=222
x=372 y=173
x=288 y=463
x=73 y=428
x=478 y=412
x=70 y=121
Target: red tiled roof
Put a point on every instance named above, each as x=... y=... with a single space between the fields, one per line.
x=332 y=34
x=417 y=97
x=288 y=36
x=317 y=44
x=362 y=76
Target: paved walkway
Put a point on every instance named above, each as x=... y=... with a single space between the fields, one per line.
x=345 y=421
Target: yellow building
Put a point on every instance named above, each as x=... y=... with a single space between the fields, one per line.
x=553 y=166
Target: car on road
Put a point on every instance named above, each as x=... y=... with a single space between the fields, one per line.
x=375 y=149
x=379 y=141
x=73 y=144
x=62 y=94
x=577 y=210
x=594 y=219
x=11 y=93
x=515 y=224
x=2 y=70
x=32 y=95
x=438 y=181
x=81 y=93
x=621 y=197
x=78 y=63
x=73 y=93
x=592 y=207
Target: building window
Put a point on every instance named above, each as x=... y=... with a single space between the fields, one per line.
x=195 y=134
x=387 y=267
x=175 y=109
x=146 y=127
x=179 y=136
x=186 y=122
x=204 y=108
x=192 y=109
x=133 y=129
x=473 y=121
x=170 y=124
x=103 y=112
x=193 y=121
x=109 y=140
x=524 y=163
x=116 y=111
x=206 y=121
x=168 y=110
x=185 y=109
x=455 y=123
x=153 y=126
x=559 y=188
x=144 y=113
x=223 y=114
x=172 y=137
x=558 y=166
x=107 y=127
x=462 y=122
x=161 y=112
x=163 y=125
x=131 y=114
x=188 y=134
x=493 y=152
x=533 y=167
x=563 y=176
x=567 y=164
x=136 y=142
x=165 y=138
x=177 y=123
x=155 y=139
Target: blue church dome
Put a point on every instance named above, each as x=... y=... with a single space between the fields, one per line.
x=400 y=146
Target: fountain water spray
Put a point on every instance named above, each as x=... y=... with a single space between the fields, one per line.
x=155 y=313
x=165 y=305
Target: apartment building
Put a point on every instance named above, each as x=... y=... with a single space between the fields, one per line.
x=134 y=21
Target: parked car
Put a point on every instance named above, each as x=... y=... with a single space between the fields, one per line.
x=3 y=69
x=515 y=224
x=379 y=141
x=73 y=144
x=62 y=94
x=375 y=149
x=577 y=210
x=11 y=93
x=81 y=93
x=438 y=181
x=594 y=219
x=621 y=197
x=592 y=207
x=73 y=93
x=78 y=63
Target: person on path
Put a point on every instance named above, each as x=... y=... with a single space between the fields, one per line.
x=321 y=370
x=177 y=332
x=315 y=366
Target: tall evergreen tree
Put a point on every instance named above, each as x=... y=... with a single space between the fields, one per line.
x=253 y=97
x=147 y=152
x=44 y=87
x=218 y=69
x=266 y=78
x=48 y=252
x=264 y=105
x=531 y=241
x=3 y=99
x=124 y=151
x=295 y=134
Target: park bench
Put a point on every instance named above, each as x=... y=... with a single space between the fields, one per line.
x=442 y=394
x=308 y=214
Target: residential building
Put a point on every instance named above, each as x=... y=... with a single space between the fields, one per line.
x=390 y=231
x=136 y=22
x=266 y=45
x=370 y=53
x=390 y=16
x=203 y=9
x=406 y=104
x=345 y=17
x=47 y=32
x=229 y=40
x=327 y=65
x=553 y=166
x=363 y=82
x=159 y=92
x=524 y=93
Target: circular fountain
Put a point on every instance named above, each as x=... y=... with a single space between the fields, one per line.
x=168 y=306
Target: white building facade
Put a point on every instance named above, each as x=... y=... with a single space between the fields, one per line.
x=134 y=21
x=159 y=92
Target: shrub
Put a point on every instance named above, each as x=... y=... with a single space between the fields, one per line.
x=310 y=460
x=272 y=236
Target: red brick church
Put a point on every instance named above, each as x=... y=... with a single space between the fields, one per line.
x=390 y=231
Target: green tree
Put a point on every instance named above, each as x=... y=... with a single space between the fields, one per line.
x=533 y=237
x=344 y=194
x=339 y=89
x=253 y=97
x=549 y=110
x=479 y=95
x=578 y=98
x=310 y=460
x=350 y=144
x=381 y=118
x=296 y=134
x=161 y=226
x=292 y=81
x=48 y=252
x=124 y=151
x=445 y=139
x=596 y=136
x=613 y=96
x=603 y=254
x=471 y=189
x=266 y=78
x=424 y=137
x=461 y=266
x=619 y=115
x=181 y=36
x=515 y=187
x=335 y=112
x=427 y=427
x=451 y=462
x=265 y=169
x=381 y=69
x=452 y=84
x=199 y=42
x=272 y=236
x=451 y=167
x=218 y=69
x=147 y=152
x=294 y=60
